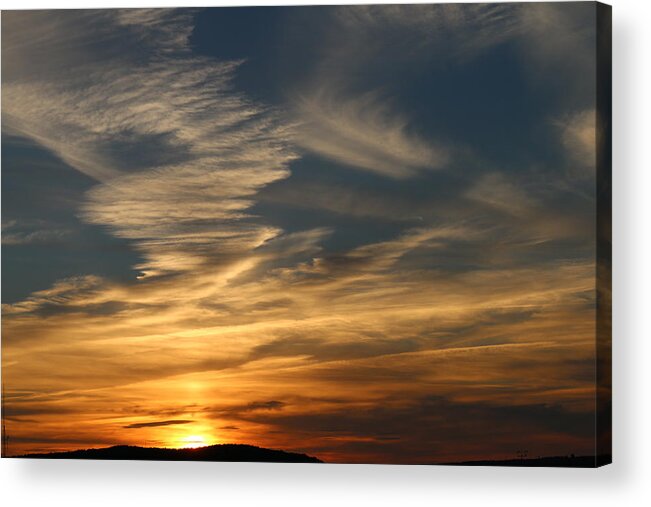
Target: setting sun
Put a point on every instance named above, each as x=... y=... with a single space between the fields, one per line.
x=193 y=441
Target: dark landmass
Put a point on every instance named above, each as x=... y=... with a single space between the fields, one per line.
x=250 y=453
x=551 y=461
x=223 y=452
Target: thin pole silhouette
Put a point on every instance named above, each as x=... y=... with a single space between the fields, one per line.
x=5 y=437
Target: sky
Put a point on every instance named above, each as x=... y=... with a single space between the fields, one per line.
x=366 y=233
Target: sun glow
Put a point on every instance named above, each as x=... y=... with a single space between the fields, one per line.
x=193 y=441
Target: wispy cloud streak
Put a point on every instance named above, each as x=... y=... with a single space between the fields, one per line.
x=179 y=152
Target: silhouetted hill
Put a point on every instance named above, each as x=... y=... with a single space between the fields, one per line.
x=223 y=452
x=551 y=461
x=250 y=453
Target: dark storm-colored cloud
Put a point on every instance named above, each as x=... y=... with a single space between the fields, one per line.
x=158 y=423
x=20 y=408
x=234 y=411
x=241 y=412
x=425 y=430
x=263 y=405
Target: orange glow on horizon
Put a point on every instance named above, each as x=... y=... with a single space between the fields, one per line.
x=193 y=442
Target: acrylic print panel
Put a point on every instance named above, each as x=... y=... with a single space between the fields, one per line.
x=350 y=234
